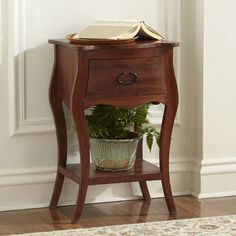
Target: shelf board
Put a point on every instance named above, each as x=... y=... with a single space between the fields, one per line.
x=142 y=170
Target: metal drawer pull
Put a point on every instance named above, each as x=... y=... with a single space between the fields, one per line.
x=127 y=78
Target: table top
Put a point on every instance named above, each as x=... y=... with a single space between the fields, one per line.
x=135 y=44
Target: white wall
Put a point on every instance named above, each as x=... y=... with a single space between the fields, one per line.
x=212 y=51
x=220 y=84
x=219 y=113
x=192 y=75
x=27 y=138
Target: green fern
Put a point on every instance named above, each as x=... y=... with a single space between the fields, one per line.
x=108 y=122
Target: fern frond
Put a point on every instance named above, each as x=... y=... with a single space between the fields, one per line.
x=106 y=121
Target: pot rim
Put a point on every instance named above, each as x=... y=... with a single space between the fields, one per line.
x=116 y=140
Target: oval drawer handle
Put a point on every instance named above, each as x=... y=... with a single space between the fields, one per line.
x=127 y=78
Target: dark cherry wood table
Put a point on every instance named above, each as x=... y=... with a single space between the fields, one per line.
x=123 y=75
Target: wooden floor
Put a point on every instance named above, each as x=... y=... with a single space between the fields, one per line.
x=26 y=221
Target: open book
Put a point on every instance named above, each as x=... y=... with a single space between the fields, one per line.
x=118 y=30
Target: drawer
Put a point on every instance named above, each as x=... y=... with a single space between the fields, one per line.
x=126 y=77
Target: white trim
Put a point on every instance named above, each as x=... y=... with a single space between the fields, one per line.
x=1 y=32
x=215 y=166
x=218 y=170
x=36 y=125
x=181 y=165
x=44 y=177
x=47 y=174
x=18 y=59
x=87 y=201
x=214 y=195
x=210 y=170
x=218 y=161
x=155 y=116
x=11 y=70
x=66 y=203
x=16 y=177
x=175 y=194
x=197 y=165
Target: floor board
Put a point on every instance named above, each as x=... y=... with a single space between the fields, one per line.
x=103 y=214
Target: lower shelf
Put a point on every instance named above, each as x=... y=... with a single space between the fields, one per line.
x=141 y=171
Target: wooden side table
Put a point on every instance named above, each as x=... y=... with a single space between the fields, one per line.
x=87 y=75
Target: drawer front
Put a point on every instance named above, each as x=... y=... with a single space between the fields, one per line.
x=126 y=77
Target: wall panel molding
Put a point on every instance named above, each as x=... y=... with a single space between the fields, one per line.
x=20 y=124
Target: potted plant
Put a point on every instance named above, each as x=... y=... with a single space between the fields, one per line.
x=115 y=133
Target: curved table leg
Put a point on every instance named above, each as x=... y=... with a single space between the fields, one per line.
x=60 y=124
x=164 y=160
x=83 y=140
x=56 y=191
x=142 y=184
x=145 y=191
x=80 y=201
x=166 y=131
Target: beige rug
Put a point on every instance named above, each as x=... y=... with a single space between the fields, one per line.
x=217 y=226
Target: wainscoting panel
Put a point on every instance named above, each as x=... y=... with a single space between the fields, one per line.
x=32 y=188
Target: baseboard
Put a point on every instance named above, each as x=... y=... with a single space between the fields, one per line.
x=219 y=166
x=88 y=201
x=32 y=188
x=215 y=177
x=180 y=165
x=47 y=174
x=15 y=177
x=214 y=166
x=213 y=195
x=67 y=203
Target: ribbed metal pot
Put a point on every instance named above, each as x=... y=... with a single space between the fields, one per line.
x=113 y=154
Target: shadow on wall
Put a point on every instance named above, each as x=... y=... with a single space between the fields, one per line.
x=32 y=72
